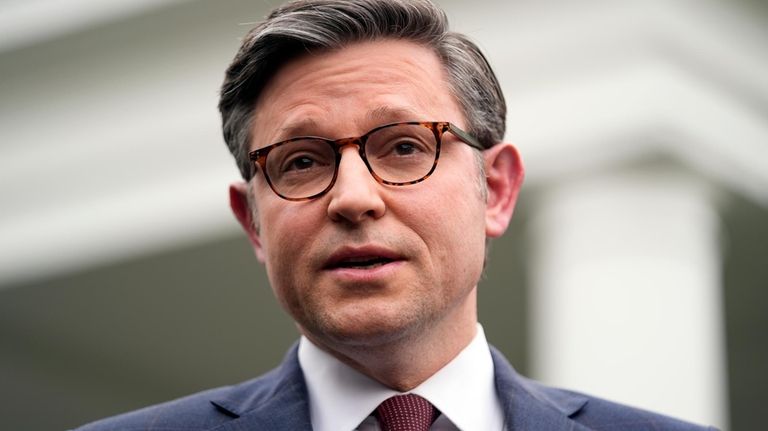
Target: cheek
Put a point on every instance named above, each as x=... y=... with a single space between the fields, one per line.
x=286 y=241
x=286 y=233
x=451 y=221
x=284 y=227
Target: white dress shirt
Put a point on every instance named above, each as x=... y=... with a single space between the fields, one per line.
x=341 y=398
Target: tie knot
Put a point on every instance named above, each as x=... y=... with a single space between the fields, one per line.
x=406 y=413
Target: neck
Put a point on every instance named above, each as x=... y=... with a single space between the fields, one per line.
x=403 y=363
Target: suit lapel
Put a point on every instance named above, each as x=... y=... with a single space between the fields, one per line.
x=530 y=406
x=277 y=401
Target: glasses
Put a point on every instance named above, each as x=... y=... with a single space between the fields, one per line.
x=396 y=154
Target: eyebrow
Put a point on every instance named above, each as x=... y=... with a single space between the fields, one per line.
x=389 y=114
x=377 y=116
x=298 y=128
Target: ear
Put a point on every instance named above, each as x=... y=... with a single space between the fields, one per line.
x=504 y=175
x=241 y=208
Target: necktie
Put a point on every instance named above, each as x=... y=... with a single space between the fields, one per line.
x=406 y=413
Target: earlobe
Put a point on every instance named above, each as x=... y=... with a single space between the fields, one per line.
x=241 y=208
x=504 y=175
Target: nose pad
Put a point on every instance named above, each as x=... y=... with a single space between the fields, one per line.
x=356 y=194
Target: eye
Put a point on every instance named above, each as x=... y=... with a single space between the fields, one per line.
x=404 y=148
x=299 y=163
x=299 y=158
x=401 y=147
x=401 y=144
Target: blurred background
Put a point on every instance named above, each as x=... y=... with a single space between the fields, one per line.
x=635 y=268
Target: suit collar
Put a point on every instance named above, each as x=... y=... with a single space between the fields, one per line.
x=530 y=405
x=464 y=390
x=275 y=401
x=279 y=400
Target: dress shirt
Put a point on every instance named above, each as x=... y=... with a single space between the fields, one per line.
x=464 y=390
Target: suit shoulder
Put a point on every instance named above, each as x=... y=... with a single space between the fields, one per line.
x=200 y=411
x=533 y=405
x=601 y=414
x=193 y=412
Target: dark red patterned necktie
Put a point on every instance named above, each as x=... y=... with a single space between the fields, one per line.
x=406 y=413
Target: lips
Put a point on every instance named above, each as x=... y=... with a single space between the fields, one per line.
x=369 y=257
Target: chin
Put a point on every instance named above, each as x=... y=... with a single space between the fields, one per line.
x=366 y=329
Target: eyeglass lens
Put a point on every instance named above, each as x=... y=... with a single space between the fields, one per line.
x=397 y=154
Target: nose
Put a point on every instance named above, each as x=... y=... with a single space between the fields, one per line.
x=356 y=194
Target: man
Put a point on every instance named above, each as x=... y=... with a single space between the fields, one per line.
x=370 y=141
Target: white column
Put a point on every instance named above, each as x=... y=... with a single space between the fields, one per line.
x=626 y=293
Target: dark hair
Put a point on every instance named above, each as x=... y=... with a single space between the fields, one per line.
x=303 y=26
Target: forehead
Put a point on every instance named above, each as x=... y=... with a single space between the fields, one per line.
x=346 y=92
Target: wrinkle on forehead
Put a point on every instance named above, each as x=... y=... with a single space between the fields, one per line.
x=368 y=83
x=379 y=116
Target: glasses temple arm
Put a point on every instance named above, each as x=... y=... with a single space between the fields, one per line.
x=466 y=137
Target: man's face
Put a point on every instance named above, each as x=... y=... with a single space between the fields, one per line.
x=369 y=263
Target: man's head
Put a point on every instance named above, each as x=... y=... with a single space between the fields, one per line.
x=367 y=263
x=304 y=27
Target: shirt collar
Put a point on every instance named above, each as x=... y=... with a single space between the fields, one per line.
x=340 y=397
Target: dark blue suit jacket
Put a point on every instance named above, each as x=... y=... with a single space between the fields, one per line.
x=278 y=401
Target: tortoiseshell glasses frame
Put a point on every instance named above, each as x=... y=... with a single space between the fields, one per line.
x=260 y=157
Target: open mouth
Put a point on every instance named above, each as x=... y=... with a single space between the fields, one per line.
x=362 y=262
x=364 y=258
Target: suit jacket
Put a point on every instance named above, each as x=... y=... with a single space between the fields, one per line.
x=278 y=401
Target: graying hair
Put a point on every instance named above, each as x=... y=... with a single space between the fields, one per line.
x=303 y=26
